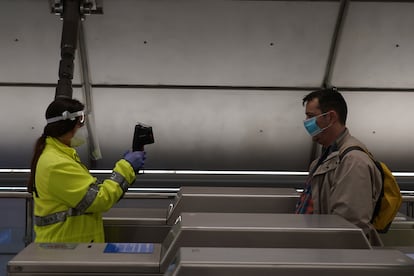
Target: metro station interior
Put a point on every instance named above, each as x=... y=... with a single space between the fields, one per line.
x=221 y=83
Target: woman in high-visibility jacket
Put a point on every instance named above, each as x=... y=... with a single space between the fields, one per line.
x=68 y=200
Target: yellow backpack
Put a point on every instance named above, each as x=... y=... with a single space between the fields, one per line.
x=390 y=199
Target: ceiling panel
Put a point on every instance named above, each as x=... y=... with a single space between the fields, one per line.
x=382 y=120
x=205 y=129
x=376 y=47
x=30 y=42
x=236 y=43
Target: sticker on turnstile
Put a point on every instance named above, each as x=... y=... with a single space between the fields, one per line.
x=411 y=255
x=58 y=245
x=140 y=248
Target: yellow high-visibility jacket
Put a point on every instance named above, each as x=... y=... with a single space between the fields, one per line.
x=69 y=202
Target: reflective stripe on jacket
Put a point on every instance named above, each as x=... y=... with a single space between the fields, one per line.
x=69 y=194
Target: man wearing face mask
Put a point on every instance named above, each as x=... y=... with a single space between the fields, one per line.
x=68 y=200
x=348 y=186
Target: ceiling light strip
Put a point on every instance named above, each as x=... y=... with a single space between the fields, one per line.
x=207 y=172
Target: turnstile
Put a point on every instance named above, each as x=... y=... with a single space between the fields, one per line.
x=44 y=259
x=401 y=232
x=152 y=225
x=135 y=225
x=192 y=230
x=232 y=200
x=292 y=262
x=262 y=230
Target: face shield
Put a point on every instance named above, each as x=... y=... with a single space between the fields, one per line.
x=81 y=134
x=66 y=115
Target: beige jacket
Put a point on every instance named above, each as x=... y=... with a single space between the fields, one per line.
x=349 y=188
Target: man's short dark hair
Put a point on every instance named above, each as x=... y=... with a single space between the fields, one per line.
x=329 y=99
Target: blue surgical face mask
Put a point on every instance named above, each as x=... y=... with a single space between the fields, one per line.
x=312 y=127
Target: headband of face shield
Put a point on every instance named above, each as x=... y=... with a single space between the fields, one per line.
x=312 y=126
x=68 y=116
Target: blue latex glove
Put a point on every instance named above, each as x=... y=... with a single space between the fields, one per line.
x=136 y=159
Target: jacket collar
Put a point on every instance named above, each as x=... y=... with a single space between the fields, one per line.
x=337 y=144
x=341 y=138
x=62 y=147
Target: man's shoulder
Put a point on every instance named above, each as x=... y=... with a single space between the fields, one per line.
x=350 y=141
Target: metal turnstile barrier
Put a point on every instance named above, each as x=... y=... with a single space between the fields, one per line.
x=192 y=230
x=232 y=200
x=261 y=230
x=401 y=232
x=292 y=262
x=152 y=224
x=135 y=225
x=44 y=259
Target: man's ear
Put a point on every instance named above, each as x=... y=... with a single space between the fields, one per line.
x=333 y=116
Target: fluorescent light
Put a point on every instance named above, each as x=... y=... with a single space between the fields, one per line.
x=153 y=189
x=207 y=172
x=14 y=170
x=13 y=189
x=403 y=174
x=199 y=172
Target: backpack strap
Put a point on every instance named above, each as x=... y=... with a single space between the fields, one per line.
x=377 y=164
x=341 y=156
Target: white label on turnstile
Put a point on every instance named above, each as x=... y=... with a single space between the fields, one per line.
x=411 y=255
x=140 y=248
x=58 y=245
